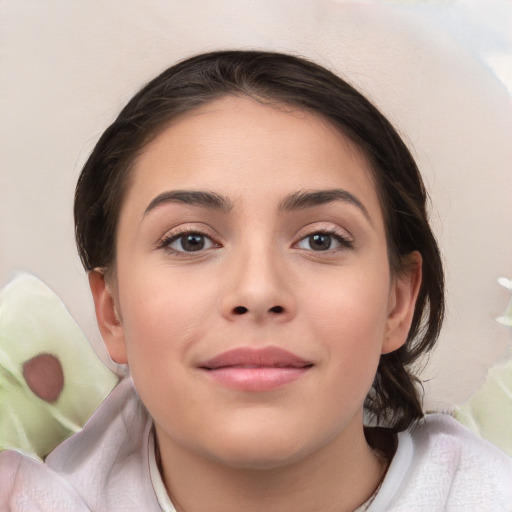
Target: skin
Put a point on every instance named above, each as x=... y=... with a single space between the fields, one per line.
x=259 y=282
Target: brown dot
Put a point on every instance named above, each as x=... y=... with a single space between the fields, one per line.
x=44 y=376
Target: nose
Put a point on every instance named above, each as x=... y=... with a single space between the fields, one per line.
x=258 y=286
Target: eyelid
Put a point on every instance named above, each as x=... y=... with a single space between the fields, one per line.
x=324 y=227
x=175 y=233
x=345 y=238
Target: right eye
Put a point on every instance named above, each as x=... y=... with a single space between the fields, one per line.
x=324 y=241
x=188 y=242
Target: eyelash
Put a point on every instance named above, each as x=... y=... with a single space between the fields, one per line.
x=165 y=243
x=343 y=239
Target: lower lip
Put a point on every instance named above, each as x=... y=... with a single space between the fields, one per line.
x=256 y=379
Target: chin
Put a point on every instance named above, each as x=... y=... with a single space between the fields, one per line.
x=259 y=461
x=261 y=452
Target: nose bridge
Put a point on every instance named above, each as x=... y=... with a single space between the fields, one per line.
x=257 y=280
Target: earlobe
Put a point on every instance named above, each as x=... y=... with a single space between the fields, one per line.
x=404 y=293
x=107 y=316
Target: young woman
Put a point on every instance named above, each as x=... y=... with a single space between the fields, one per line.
x=259 y=255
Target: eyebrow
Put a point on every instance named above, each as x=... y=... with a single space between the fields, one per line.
x=193 y=198
x=297 y=201
x=309 y=198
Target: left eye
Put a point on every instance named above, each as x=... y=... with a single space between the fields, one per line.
x=322 y=242
x=190 y=242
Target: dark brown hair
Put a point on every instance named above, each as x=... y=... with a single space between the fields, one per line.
x=279 y=79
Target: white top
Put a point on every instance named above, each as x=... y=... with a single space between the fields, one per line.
x=110 y=466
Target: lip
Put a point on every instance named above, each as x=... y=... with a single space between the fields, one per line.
x=256 y=369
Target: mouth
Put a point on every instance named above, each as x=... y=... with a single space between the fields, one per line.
x=256 y=369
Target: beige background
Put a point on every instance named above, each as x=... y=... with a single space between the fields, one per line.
x=440 y=70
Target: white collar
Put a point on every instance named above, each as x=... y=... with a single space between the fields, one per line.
x=156 y=479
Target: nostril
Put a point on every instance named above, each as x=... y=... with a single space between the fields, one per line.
x=240 y=310
x=276 y=309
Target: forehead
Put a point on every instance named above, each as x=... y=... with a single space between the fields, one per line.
x=238 y=145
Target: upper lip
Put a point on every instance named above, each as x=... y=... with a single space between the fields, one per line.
x=250 y=357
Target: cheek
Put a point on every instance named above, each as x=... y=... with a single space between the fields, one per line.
x=161 y=323
x=164 y=312
x=350 y=320
x=165 y=318
x=351 y=302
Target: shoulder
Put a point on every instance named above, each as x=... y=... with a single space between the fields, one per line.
x=440 y=465
x=458 y=449
x=103 y=467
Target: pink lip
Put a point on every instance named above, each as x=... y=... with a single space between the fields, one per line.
x=256 y=369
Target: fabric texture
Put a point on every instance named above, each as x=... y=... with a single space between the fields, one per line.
x=438 y=466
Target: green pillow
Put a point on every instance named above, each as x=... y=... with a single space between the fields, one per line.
x=51 y=380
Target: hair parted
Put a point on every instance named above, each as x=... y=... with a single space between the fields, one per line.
x=280 y=80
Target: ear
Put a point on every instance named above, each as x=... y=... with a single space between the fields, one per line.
x=109 y=323
x=402 y=301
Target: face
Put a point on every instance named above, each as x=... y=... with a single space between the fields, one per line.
x=253 y=293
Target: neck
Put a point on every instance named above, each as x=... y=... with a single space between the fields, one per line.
x=340 y=476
